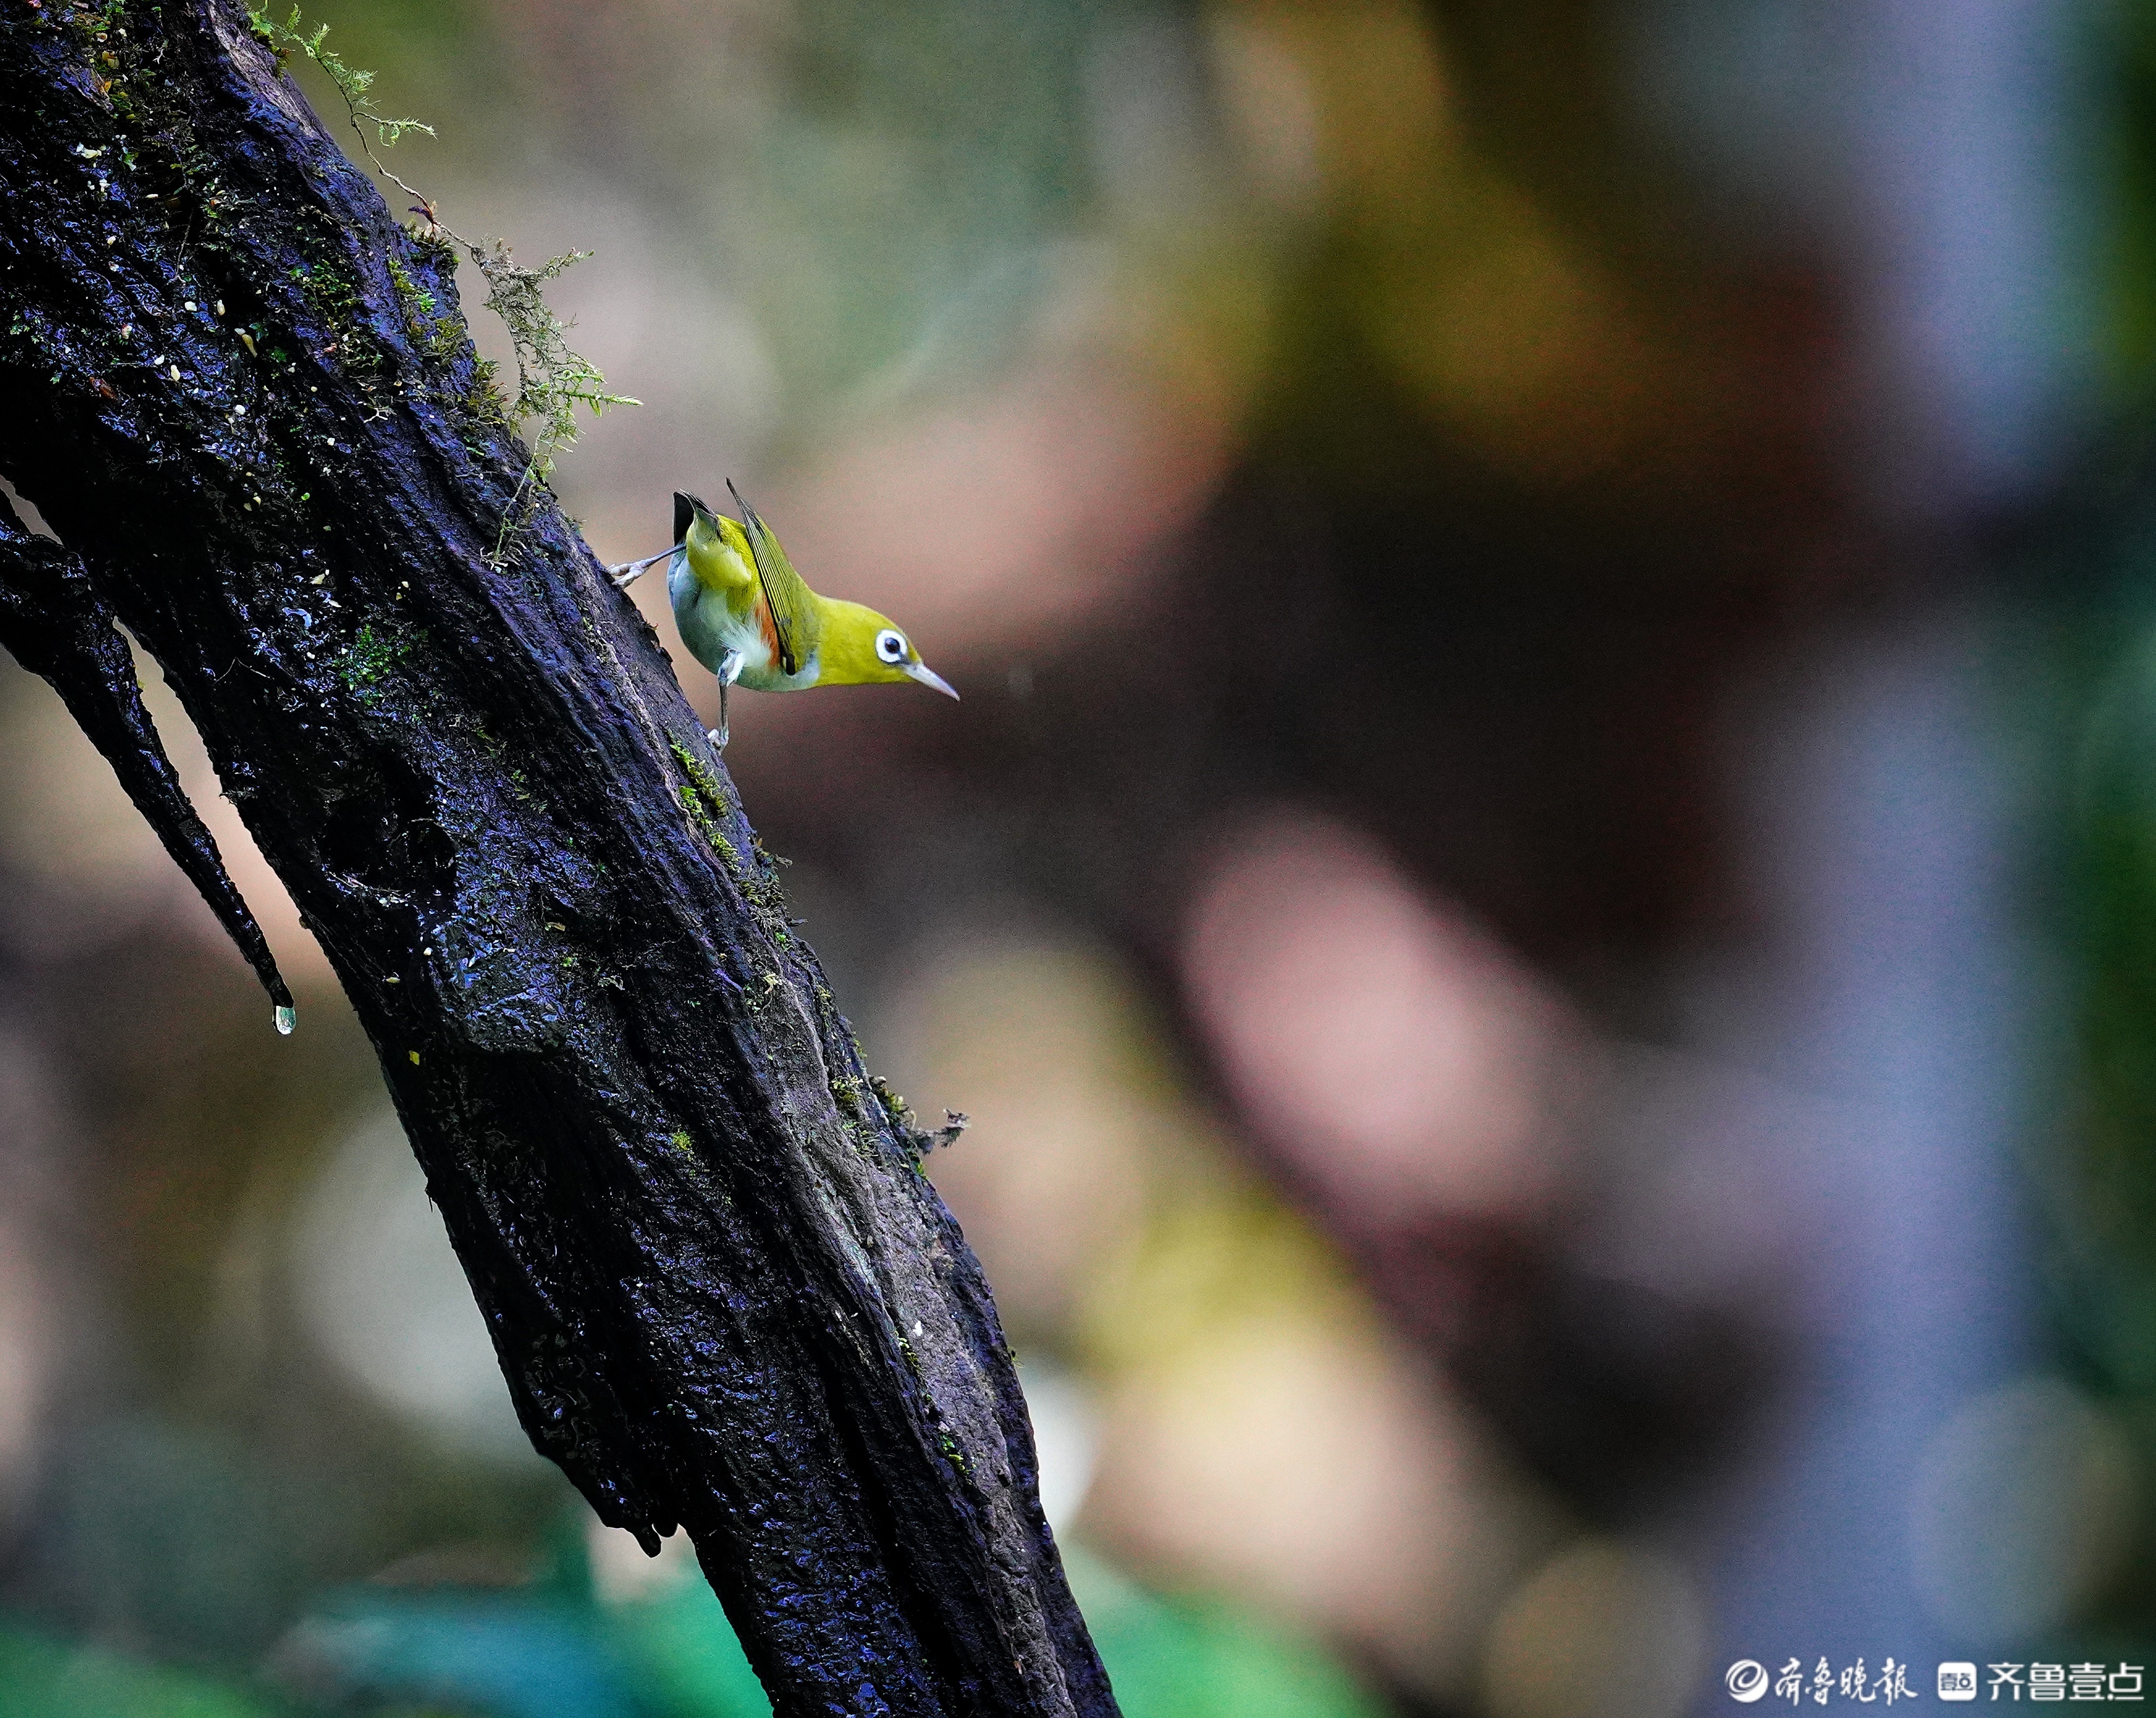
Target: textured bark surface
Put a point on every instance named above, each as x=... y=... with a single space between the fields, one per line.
x=724 y=1296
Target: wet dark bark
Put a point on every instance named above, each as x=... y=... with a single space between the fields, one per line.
x=723 y=1295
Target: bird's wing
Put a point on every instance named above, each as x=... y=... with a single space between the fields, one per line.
x=793 y=605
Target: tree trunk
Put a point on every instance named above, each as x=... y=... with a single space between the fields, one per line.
x=723 y=1294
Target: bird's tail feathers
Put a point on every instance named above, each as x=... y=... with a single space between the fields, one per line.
x=686 y=506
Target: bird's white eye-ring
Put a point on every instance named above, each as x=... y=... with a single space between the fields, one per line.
x=890 y=646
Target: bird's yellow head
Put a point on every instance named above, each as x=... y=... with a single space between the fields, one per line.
x=861 y=648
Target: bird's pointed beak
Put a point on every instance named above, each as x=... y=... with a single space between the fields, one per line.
x=927 y=676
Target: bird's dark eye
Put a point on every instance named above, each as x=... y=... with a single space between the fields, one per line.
x=890 y=646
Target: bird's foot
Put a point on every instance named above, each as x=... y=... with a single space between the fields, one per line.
x=629 y=572
x=730 y=665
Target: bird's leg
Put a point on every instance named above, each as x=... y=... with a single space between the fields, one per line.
x=730 y=668
x=629 y=572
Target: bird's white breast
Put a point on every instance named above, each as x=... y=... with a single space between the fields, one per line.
x=710 y=627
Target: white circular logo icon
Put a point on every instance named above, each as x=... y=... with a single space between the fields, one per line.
x=1746 y=1679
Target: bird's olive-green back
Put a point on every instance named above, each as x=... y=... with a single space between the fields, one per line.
x=794 y=614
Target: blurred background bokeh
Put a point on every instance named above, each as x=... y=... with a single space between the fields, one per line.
x=1543 y=897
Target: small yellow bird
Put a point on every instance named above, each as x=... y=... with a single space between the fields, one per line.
x=746 y=614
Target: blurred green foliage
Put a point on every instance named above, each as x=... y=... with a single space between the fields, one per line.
x=2100 y=1227
x=926 y=157
x=556 y=1650
x=41 y=1677
x=2100 y=1194
x=2133 y=56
